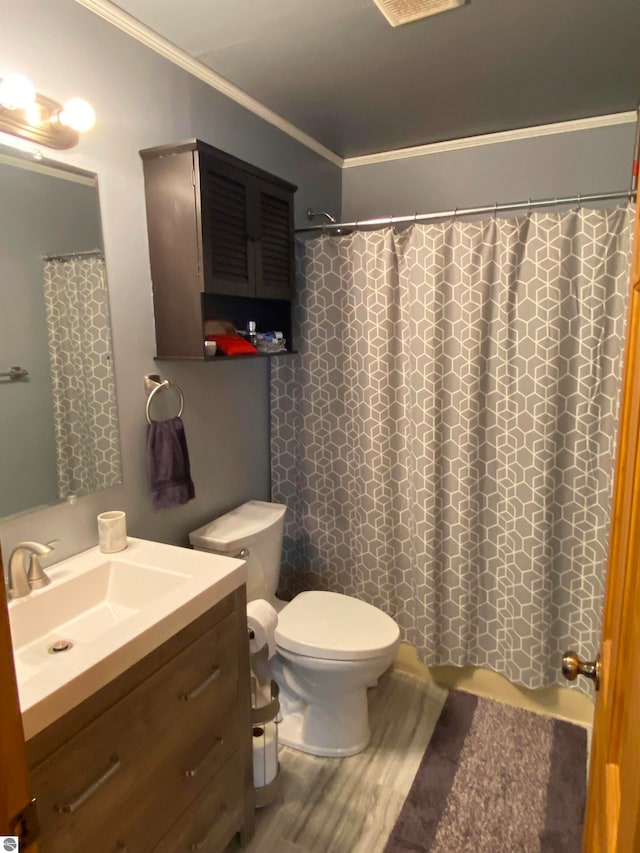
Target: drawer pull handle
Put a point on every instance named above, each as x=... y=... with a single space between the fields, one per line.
x=191 y=773
x=199 y=845
x=82 y=798
x=193 y=694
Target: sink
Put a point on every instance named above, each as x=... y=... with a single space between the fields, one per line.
x=106 y=614
x=86 y=606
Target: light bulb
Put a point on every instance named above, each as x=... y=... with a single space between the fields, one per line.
x=16 y=92
x=78 y=115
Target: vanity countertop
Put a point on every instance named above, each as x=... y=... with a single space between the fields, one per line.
x=113 y=609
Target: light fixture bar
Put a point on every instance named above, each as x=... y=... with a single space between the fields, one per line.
x=398 y=12
x=30 y=115
x=35 y=124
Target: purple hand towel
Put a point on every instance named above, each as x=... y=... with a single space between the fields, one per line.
x=168 y=464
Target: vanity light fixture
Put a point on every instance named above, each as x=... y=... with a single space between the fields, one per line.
x=30 y=115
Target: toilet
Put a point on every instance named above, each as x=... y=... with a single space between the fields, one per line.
x=330 y=647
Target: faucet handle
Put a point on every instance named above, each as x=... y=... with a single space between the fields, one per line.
x=34 y=547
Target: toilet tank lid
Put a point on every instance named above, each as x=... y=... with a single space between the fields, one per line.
x=333 y=626
x=238 y=527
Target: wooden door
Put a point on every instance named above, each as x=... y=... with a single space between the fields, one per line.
x=14 y=781
x=613 y=800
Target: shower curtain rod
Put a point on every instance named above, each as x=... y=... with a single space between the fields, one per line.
x=467 y=211
x=69 y=255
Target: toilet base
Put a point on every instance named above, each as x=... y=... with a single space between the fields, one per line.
x=293 y=731
x=331 y=728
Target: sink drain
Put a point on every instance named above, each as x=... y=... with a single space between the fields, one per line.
x=60 y=646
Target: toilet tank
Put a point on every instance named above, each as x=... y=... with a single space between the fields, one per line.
x=257 y=527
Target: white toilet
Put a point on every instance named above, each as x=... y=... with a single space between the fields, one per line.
x=330 y=647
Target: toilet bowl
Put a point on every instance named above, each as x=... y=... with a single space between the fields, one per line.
x=330 y=647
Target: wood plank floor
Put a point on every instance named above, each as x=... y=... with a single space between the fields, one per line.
x=350 y=805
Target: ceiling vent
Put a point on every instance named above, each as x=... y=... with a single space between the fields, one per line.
x=399 y=12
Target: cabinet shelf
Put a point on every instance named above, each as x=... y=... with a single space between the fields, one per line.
x=222 y=358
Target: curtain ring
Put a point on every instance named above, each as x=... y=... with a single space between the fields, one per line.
x=495 y=210
x=529 y=208
x=415 y=218
x=455 y=213
x=579 y=205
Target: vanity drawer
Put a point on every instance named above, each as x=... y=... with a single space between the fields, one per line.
x=103 y=774
x=210 y=822
x=145 y=818
x=172 y=789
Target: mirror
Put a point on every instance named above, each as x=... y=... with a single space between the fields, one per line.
x=58 y=413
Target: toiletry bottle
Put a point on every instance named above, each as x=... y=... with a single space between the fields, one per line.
x=252 y=334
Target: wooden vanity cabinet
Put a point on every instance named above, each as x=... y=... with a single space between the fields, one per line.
x=161 y=758
x=221 y=244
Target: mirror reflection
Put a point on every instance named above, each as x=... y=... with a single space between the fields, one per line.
x=58 y=413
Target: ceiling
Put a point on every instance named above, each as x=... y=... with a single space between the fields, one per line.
x=340 y=73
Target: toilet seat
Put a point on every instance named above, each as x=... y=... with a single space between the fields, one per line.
x=332 y=626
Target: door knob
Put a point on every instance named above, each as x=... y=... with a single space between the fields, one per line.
x=572 y=667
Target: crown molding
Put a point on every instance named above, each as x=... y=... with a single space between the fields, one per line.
x=130 y=25
x=492 y=139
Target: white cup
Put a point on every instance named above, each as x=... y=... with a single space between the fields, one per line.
x=112 y=531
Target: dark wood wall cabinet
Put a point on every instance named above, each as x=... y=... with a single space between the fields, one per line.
x=221 y=243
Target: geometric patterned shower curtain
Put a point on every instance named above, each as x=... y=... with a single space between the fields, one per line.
x=84 y=393
x=445 y=440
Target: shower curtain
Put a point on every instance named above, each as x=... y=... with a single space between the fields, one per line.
x=445 y=440
x=83 y=384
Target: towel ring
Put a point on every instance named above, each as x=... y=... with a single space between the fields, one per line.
x=161 y=387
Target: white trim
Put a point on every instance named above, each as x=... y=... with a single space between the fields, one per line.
x=492 y=139
x=130 y=25
x=47 y=169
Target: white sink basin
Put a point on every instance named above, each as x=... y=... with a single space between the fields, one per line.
x=111 y=612
x=86 y=606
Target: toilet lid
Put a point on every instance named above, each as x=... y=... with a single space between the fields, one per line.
x=335 y=627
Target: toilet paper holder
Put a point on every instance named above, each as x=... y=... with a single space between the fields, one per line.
x=266 y=767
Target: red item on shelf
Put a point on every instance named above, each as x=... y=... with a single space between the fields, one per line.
x=232 y=345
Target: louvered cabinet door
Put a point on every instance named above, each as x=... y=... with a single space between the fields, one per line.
x=274 y=242
x=228 y=246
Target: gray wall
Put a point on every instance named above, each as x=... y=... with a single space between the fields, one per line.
x=39 y=215
x=566 y=164
x=142 y=100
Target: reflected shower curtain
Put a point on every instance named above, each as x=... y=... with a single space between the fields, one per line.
x=83 y=383
x=445 y=440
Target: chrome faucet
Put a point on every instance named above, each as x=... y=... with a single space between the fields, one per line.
x=21 y=580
